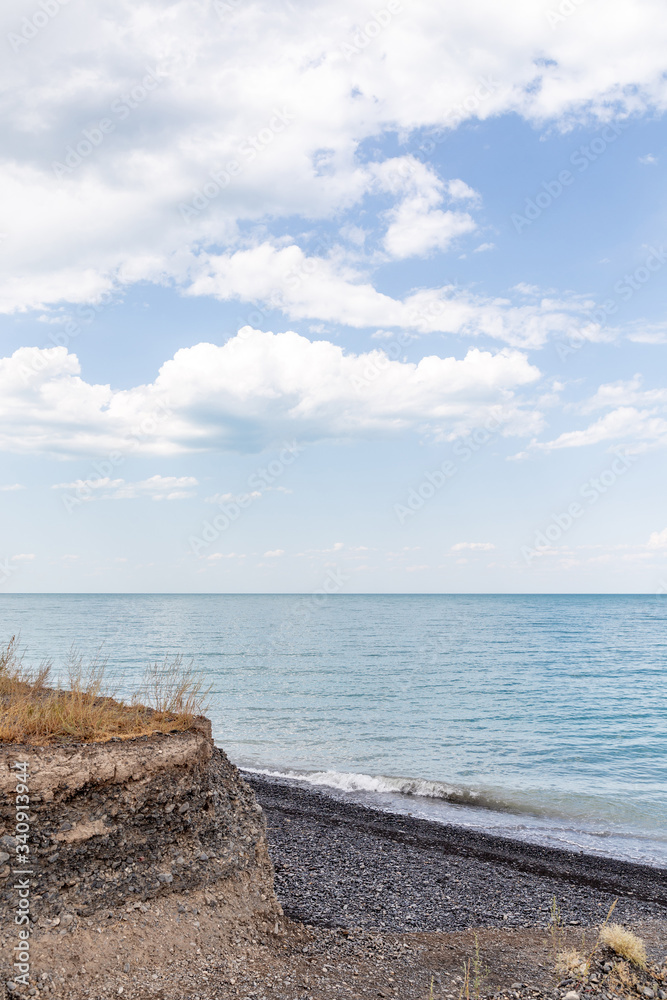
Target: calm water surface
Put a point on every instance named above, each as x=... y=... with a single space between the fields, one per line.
x=540 y=717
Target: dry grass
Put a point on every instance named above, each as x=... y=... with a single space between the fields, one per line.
x=626 y=944
x=623 y=978
x=556 y=933
x=571 y=962
x=474 y=976
x=169 y=700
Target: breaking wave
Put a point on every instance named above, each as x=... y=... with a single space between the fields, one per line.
x=352 y=782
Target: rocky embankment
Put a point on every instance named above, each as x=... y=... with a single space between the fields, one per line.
x=117 y=829
x=152 y=879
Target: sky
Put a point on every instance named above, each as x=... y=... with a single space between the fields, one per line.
x=326 y=297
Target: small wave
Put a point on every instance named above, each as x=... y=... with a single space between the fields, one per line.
x=350 y=782
x=532 y=821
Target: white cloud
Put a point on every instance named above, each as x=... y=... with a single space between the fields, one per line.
x=306 y=287
x=257 y=390
x=637 y=417
x=647 y=333
x=458 y=189
x=216 y=82
x=483 y=247
x=474 y=546
x=23 y=557
x=658 y=540
x=627 y=392
x=156 y=487
x=624 y=424
x=416 y=228
x=417 y=225
x=648 y=160
x=219 y=498
x=11 y=489
x=274 y=553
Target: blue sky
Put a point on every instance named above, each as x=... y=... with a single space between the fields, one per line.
x=382 y=312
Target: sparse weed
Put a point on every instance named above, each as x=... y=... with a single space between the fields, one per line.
x=33 y=713
x=475 y=975
x=556 y=933
x=465 y=985
x=623 y=976
x=624 y=943
x=603 y=928
x=480 y=973
x=570 y=962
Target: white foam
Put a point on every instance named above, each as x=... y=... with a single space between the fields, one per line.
x=351 y=781
x=477 y=809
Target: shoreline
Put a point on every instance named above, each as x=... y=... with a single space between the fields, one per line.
x=343 y=864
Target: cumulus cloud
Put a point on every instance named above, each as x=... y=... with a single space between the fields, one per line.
x=417 y=225
x=257 y=390
x=155 y=487
x=11 y=489
x=281 y=136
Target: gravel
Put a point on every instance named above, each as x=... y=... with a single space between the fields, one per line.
x=342 y=865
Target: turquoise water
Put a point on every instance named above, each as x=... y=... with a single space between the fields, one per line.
x=540 y=717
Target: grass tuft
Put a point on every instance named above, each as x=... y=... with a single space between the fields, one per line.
x=570 y=962
x=32 y=713
x=625 y=944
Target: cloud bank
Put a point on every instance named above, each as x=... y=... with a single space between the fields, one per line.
x=125 y=168
x=257 y=390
